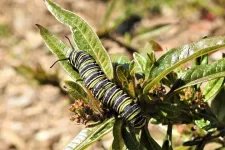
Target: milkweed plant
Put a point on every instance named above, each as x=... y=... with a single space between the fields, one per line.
x=167 y=93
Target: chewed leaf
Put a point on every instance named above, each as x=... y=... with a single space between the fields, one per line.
x=85 y=38
x=177 y=56
x=60 y=49
x=89 y=135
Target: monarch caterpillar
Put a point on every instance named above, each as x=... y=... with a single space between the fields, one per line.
x=105 y=90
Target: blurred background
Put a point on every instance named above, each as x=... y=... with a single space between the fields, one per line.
x=34 y=111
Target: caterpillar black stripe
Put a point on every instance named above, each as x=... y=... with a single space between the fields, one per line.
x=105 y=90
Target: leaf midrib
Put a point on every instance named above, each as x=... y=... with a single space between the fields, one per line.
x=73 y=25
x=167 y=71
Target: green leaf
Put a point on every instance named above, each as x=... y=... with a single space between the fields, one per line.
x=177 y=56
x=212 y=88
x=60 y=50
x=132 y=69
x=89 y=135
x=202 y=60
x=218 y=105
x=118 y=143
x=83 y=35
x=208 y=117
x=130 y=138
x=123 y=77
x=148 y=64
x=150 y=49
x=140 y=62
x=202 y=73
x=76 y=91
x=120 y=58
x=149 y=53
x=202 y=123
x=147 y=142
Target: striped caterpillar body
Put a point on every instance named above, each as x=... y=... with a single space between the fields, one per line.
x=105 y=90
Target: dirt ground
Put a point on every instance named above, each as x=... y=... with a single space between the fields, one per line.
x=35 y=116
